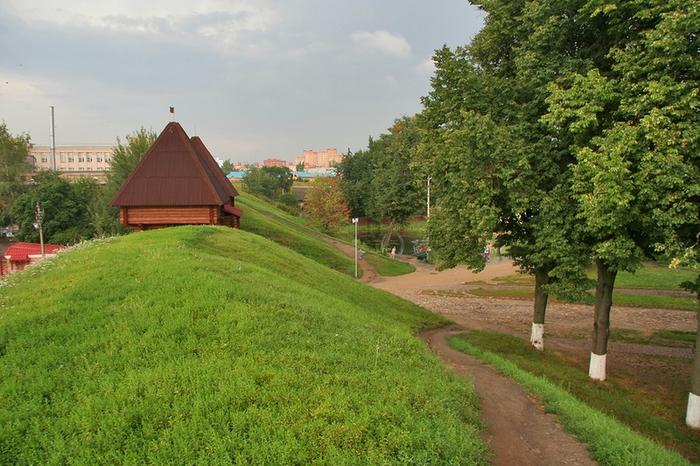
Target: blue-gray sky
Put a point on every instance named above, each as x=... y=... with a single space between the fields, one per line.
x=253 y=78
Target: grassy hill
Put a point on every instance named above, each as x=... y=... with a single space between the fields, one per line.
x=262 y=218
x=209 y=345
x=298 y=234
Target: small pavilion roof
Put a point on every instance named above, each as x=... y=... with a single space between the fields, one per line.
x=175 y=171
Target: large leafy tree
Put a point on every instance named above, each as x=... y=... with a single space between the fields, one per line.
x=395 y=192
x=14 y=150
x=356 y=172
x=497 y=168
x=64 y=220
x=634 y=129
x=325 y=203
x=271 y=182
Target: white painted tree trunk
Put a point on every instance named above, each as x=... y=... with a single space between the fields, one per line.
x=537 y=336
x=692 y=415
x=596 y=370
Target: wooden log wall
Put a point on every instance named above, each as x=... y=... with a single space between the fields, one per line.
x=166 y=215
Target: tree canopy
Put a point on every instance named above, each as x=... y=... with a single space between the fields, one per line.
x=325 y=203
x=271 y=182
x=14 y=150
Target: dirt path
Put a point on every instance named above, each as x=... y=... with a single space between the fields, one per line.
x=518 y=430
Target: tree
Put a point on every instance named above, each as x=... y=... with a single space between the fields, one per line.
x=395 y=193
x=65 y=220
x=506 y=176
x=125 y=157
x=356 y=172
x=300 y=167
x=271 y=182
x=634 y=129
x=14 y=151
x=325 y=203
x=227 y=167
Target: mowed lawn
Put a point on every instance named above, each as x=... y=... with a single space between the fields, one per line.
x=213 y=346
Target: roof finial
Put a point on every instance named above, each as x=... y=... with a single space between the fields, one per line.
x=172 y=112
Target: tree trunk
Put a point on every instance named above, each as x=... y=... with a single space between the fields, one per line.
x=537 y=334
x=692 y=414
x=601 y=323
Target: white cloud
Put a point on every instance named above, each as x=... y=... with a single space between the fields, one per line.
x=216 y=22
x=383 y=41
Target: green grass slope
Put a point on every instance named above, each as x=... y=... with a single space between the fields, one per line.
x=265 y=220
x=209 y=345
x=294 y=232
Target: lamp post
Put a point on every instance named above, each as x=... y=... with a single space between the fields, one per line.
x=355 y=221
x=39 y=216
x=428 y=209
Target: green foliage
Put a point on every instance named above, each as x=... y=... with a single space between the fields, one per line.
x=66 y=210
x=256 y=355
x=481 y=122
x=325 y=204
x=355 y=171
x=270 y=182
x=14 y=151
x=606 y=417
x=227 y=167
x=395 y=193
x=635 y=128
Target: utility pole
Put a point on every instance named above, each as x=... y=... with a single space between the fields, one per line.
x=53 y=142
x=428 y=209
x=39 y=216
x=355 y=221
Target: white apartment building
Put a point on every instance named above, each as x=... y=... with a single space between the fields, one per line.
x=73 y=158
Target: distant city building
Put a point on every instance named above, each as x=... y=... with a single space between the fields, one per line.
x=325 y=158
x=274 y=163
x=314 y=173
x=236 y=175
x=74 y=161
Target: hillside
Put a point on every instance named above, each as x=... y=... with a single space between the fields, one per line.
x=265 y=220
x=209 y=345
x=301 y=235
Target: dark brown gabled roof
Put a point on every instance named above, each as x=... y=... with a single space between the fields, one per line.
x=223 y=185
x=174 y=173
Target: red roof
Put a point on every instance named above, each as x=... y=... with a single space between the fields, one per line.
x=176 y=171
x=233 y=210
x=20 y=252
x=221 y=183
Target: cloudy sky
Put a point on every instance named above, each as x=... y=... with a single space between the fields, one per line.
x=253 y=78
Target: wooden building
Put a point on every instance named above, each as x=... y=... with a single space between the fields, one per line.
x=177 y=182
x=19 y=255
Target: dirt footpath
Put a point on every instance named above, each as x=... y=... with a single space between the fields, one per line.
x=519 y=432
x=659 y=371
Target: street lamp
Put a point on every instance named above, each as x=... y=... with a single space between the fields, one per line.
x=428 y=209
x=39 y=216
x=355 y=221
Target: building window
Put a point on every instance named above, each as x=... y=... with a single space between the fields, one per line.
x=44 y=159
x=70 y=159
x=81 y=159
x=88 y=159
x=99 y=159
